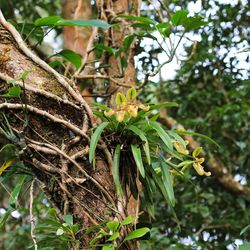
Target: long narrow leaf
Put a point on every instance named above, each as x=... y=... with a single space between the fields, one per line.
x=140 y=133
x=167 y=182
x=94 y=140
x=100 y=105
x=115 y=170
x=177 y=138
x=162 y=134
x=181 y=132
x=4 y=218
x=16 y=191
x=159 y=183
x=136 y=151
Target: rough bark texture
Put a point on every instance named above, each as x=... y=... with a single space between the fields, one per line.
x=51 y=123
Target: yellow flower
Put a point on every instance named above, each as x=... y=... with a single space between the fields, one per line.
x=5 y=166
x=180 y=148
x=132 y=110
x=143 y=107
x=199 y=168
x=126 y=105
x=120 y=115
x=109 y=113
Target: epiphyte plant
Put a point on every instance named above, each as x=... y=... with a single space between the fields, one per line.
x=142 y=148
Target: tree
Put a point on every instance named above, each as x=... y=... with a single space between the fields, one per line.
x=47 y=118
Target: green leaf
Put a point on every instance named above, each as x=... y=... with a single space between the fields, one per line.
x=113 y=225
x=184 y=132
x=162 y=134
x=94 y=140
x=159 y=183
x=140 y=133
x=124 y=62
x=4 y=218
x=136 y=151
x=244 y=229
x=100 y=105
x=194 y=22
x=55 y=64
x=68 y=218
x=108 y=247
x=70 y=56
x=25 y=74
x=16 y=191
x=138 y=233
x=140 y=19
x=167 y=182
x=47 y=21
x=100 y=115
x=177 y=138
x=29 y=30
x=84 y=23
x=179 y=17
x=245 y=246
x=114 y=236
x=128 y=220
x=127 y=42
x=164 y=29
x=115 y=170
x=13 y=92
x=154 y=117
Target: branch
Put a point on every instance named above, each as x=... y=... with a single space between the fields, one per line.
x=45 y=114
x=23 y=47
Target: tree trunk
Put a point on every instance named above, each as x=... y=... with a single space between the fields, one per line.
x=51 y=123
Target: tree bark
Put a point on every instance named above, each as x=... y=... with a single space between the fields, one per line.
x=51 y=121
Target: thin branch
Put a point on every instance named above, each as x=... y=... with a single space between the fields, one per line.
x=165 y=8
x=23 y=47
x=47 y=115
x=38 y=91
x=78 y=166
x=45 y=167
x=32 y=218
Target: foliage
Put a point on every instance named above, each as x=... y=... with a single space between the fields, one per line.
x=111 y=231
x=131 y=129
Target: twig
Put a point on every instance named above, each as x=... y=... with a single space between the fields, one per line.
x=78 y=166
x=47 y=115
x=39 y=91
x=51 y=200
x=165 y=8
x=32 y=218
x=192 y=52
x=45 y=167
